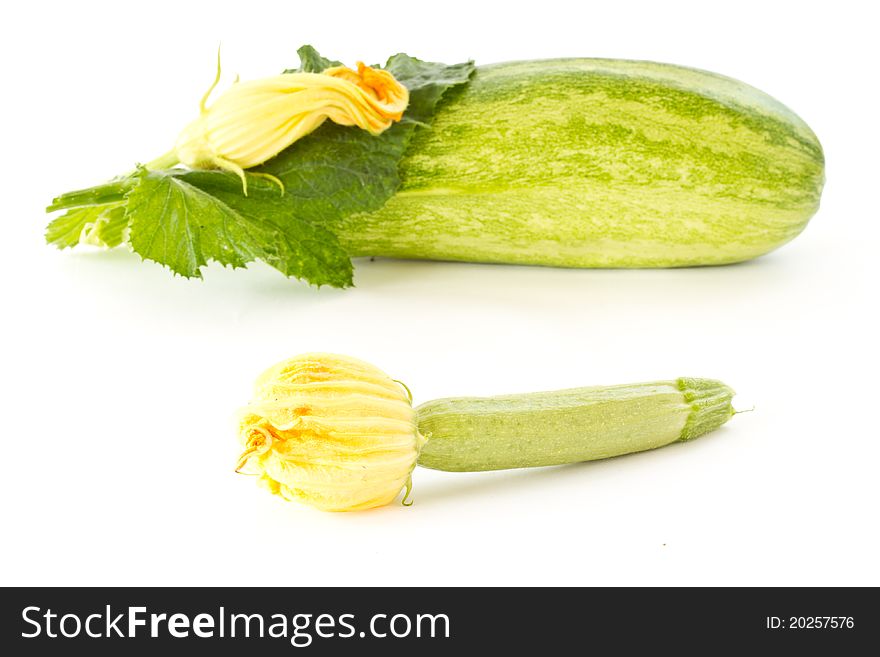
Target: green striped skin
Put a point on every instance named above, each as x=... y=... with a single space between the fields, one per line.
x=599 y=163
x=468 y=434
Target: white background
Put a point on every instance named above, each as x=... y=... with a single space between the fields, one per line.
x=119 y=381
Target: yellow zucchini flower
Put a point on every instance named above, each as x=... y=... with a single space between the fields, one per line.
x=331 y=431
x=253 y=121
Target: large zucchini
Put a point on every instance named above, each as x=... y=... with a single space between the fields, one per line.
x=599 y=163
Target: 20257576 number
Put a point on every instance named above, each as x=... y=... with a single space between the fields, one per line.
x=810 y=623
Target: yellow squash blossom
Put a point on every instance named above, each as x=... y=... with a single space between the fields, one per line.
x=331 y=431
x=253 y=121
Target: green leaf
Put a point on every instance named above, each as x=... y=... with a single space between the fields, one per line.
x=184 y=219
x=290 y=244
x=427 y=82
x=66 y=230
x=311 y=61
x=81 y=224
x=109 y=229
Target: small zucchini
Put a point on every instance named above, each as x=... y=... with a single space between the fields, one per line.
x=341 y=435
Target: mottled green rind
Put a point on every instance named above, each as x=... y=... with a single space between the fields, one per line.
x=599 y=163
x=470 y=434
